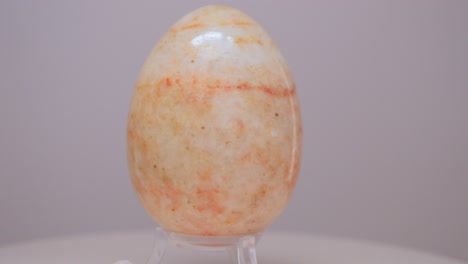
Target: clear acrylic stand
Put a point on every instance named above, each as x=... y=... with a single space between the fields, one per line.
x=170 y=246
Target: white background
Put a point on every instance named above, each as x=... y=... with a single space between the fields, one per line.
x=384 y=93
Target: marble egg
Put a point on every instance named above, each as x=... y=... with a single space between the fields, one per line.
x=214 y=128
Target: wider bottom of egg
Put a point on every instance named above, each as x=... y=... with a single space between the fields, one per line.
x=221 y=167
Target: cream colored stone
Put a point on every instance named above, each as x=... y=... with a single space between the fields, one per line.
x=214 y=130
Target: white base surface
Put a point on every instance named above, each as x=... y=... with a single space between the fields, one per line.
x=273 y=248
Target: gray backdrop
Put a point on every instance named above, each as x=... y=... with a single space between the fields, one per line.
x=384 y=93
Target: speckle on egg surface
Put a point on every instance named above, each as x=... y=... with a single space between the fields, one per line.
x=214 y=130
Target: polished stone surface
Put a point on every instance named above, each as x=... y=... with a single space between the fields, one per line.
x=214 y=129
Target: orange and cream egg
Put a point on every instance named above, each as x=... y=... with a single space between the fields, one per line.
x=214 y=128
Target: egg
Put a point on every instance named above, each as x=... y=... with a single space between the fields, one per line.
x=214 y=129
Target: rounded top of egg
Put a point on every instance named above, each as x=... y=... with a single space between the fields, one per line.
x=219 y=44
